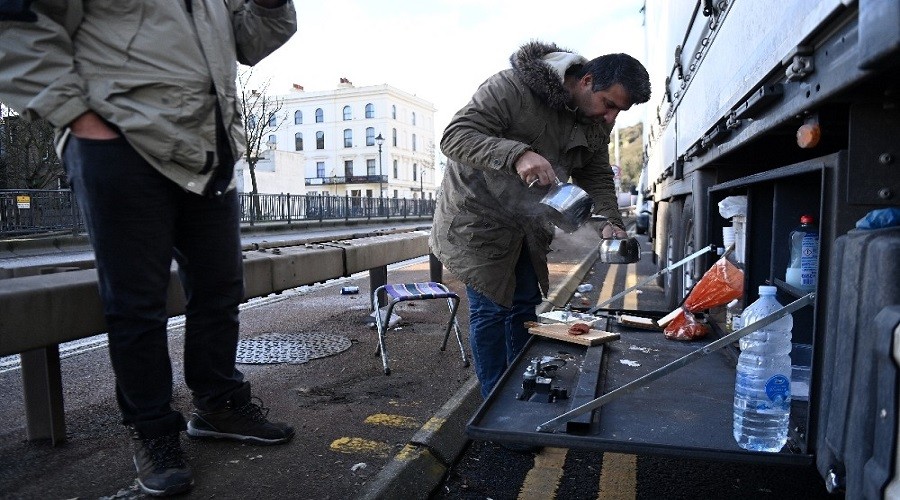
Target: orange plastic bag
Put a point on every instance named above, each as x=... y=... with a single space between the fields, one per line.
x=721 y=284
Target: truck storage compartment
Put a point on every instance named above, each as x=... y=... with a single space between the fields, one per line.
x=859 y=392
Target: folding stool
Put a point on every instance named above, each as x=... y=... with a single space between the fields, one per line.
x=414 y=291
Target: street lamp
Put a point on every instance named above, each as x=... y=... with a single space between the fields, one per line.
x=380 y=140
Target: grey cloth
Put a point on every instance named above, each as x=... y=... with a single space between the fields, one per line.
x=108 y=56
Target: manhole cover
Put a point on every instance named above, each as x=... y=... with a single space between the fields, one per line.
x=293 y=348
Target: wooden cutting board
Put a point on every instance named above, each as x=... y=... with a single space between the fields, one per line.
x=560 y=331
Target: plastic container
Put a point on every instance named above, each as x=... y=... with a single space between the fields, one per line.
x=801 y=363
x=762 y=388
x=802 y=272
x=733 y=315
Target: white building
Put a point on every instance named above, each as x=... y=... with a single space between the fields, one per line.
x=325 y=142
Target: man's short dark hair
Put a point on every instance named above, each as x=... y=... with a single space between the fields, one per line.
x=611 y=69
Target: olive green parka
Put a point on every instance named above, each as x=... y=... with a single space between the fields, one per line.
x=485 y=213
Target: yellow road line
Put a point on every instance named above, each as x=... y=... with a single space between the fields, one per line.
x=542 y=480
x=618 y=479
x=360 y=446
x=606 y=288
x=618 y=474
x=392 y=421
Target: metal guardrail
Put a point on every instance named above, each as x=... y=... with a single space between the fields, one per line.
x=25 y=212
x=39 y=312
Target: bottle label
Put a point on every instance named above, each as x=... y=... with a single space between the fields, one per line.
x=778 y=389
x=809 y=256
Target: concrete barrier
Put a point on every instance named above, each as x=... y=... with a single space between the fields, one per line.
x=39 y=312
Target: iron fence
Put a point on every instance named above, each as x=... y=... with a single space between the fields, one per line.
x=26 y=212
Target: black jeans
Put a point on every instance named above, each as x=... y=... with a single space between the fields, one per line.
x=138 y=221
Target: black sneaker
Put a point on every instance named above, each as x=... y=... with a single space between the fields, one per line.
x=160 y=465
x=246 y=422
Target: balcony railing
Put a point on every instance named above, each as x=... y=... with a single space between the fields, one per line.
x=353 y=179
x=29 y=212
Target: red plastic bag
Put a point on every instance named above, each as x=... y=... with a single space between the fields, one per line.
x=721 y=284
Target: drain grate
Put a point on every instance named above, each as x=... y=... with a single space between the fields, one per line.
x=292 y=348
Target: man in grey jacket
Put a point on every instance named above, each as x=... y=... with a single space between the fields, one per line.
x=143 y=95
x=548 y=117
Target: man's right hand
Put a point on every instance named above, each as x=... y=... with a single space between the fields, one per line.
x=90 y=126
x=533 y=167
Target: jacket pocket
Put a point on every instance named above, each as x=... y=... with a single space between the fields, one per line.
x=480 y=235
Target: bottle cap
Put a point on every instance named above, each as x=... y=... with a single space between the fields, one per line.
x=807 y=219
x=767 y=290
x=732 y=303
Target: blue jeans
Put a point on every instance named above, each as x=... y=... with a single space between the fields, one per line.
x=137 y=222
x=497 y=334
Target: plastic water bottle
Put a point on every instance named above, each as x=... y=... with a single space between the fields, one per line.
x=803 y=269
x=762 y=388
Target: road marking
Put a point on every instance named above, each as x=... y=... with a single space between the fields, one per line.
x=400 y=421
x=542 y=480
x=606 y=288
x=618 y=479
x=618 y=473
x=360 y=446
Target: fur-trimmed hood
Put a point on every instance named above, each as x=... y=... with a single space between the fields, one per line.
x=542 y=66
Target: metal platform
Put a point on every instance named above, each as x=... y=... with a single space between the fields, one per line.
x=686 y=413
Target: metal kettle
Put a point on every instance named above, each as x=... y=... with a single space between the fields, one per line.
x=567 y=206
x=626 y=251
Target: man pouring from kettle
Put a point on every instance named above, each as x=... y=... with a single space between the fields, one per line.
x=548 y=117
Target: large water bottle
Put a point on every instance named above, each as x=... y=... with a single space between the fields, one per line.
x=762 y=388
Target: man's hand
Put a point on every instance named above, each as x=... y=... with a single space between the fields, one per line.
x=91 y=126
x=611 y=231
x=534 y=167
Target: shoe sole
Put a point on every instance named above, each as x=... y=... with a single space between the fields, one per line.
x=195 y=433
x=171 y=490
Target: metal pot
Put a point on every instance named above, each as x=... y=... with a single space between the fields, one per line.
x=627 y=251
x=567 y=206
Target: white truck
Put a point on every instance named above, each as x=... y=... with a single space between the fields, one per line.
x=792 y=106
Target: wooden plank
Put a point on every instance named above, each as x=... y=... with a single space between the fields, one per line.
x=561 y=332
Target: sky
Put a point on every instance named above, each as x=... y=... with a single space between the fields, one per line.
x=441 y=50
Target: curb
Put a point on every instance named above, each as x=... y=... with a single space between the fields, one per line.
x=420 y=467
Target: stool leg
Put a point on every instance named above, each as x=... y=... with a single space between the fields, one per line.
x=382 y=332
x=453 y=304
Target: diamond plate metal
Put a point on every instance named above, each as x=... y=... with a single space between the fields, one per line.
x=291 y=348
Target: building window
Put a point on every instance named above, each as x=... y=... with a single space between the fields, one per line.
x=320 y=169
x=320 y=115
x=370 y=136
x=370 y=167
x=348 y=138
x=298 y=118
x=370 y=110
x=414 y=118
x=272 y=140
x=415 y=171
x=414 y=142
x=396 y=171
x=320 y=140
x=273 y=121
x=348 y=168
x=298 y=142
x=251 y=122
x=348 y=113
x=394 y=111
x=394 y=136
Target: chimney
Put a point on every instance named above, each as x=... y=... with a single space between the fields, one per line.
x=298 y=87
x=345 y=83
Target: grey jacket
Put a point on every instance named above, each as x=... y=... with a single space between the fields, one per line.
x=149 y=67
x=485 y=213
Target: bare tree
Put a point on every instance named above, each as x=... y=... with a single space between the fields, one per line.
x=262 y=117
x=28 y=159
